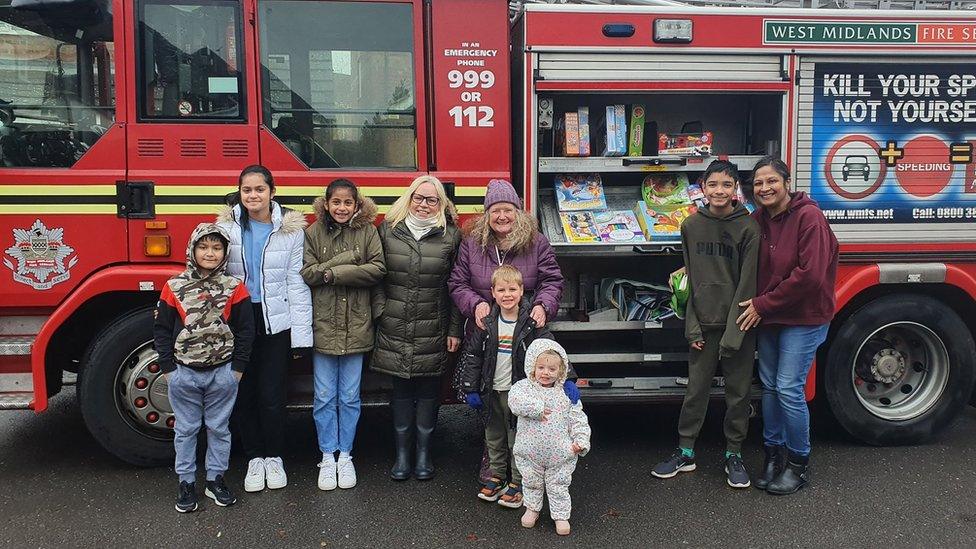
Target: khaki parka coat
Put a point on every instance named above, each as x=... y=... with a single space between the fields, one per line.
x=342 y=311
x=417 y=311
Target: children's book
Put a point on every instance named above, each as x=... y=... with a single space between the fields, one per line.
x=618 y=226
x=610 y=127
x=572 y=134
x=579 y=227
x=575 y=192
x=663 y=221
x=583 y=113
x=665 y=188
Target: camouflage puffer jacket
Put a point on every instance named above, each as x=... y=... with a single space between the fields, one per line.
x=203 y=320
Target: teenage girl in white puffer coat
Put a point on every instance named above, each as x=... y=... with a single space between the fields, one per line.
x=266 y=247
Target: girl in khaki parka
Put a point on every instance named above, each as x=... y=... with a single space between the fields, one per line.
x=343 y=261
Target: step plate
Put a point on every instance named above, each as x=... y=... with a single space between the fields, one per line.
x=16 y=345
x=16 y=401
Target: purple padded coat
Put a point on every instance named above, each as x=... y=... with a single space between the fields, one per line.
x=470 y=281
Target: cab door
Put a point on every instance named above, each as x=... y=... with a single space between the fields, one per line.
x=193 y=119
x=342 y=96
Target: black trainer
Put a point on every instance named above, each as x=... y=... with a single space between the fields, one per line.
x=219 y=492
x=187 y=502
x=677 y=463
x=736 y=471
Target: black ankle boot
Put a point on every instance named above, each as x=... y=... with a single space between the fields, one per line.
x=426 y=421
x=792 y=478
x=773 y=466
x=403 y=426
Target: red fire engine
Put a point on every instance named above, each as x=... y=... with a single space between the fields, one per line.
x=123 y=124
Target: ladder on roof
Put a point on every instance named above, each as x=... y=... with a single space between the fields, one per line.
x=515 y=5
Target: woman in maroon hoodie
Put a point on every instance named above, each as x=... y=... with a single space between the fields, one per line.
x=794 y=305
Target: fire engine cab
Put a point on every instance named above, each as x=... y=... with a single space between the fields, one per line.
x=123 y=123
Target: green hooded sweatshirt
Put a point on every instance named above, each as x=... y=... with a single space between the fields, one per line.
x=721 y=257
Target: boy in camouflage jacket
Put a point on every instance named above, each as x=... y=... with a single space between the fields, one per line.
x=203 y=332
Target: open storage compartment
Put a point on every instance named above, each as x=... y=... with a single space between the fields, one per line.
x=644 y=342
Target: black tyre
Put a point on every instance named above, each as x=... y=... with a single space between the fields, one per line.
x=122 y=393
x=900 y=370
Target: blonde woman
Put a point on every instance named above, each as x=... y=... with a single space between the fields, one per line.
x=419 y=324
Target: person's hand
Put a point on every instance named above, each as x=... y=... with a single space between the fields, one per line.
x=749 y=318
x=576 y=448
x=453 y=344
x=698 y=345
x=681 y=270
x=327 y=276
x=480 y=312
x=571 y=390
x=473 y=400
x=538 y=314
x=545 y=414
x=299 y=353
x=237 y=375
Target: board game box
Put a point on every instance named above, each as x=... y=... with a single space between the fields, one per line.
x=689 y=144
x=572 y=134
x=579 y=227
x=618 y=226
x=576 y=192
x=635 y=145
x=665 y=188
x=583 y=113
x=663 y=221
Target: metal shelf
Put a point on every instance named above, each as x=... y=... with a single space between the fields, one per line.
x=563 y=164
x=600 y=358
x=603 y=326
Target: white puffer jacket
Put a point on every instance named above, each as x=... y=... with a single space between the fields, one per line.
x=286 y=300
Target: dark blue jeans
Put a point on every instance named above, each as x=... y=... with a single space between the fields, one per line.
x=785 y=356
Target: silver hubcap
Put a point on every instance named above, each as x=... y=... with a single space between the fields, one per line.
x=900 y=371
x=142 y=394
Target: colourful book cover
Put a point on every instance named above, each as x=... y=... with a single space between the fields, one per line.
x=620 y=124
x=618 y=226
x=635 y=145
x=663 y=221
x=575 y=192
x=572 y=134
x=579 y=227
x=665 y=188
x=584 y=130
x=611 y=132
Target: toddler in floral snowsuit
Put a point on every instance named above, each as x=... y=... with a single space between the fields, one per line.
x=551 y=434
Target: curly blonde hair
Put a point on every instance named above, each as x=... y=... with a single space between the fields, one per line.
x=561 y=373
x=524 y=231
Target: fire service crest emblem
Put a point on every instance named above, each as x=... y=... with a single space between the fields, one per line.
x=40 y=254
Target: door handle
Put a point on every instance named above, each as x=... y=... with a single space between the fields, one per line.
x=135 y=199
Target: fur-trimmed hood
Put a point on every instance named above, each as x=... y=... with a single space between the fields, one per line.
x=288 y=220
x=366 y=214
x=540 y=346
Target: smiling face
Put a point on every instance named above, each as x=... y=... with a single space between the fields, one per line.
x=208 y=253
x=719 y=189
x=547 y=368
x=424 y=202
x=342 y=205
x=501 y=219
x=508 y=295
x=771 y=190
x=256 y=195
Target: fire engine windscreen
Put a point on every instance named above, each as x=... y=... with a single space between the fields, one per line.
x=338 y=82
x=190 y=60
x=57 y=80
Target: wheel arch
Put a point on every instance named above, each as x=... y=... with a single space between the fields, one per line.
x=100 y=299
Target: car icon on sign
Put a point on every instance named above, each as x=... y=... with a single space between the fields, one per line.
x=856 y=165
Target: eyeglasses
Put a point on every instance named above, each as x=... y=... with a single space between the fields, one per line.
x=420 y=199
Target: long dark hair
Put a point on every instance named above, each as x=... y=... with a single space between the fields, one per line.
x=330 y=190
x=235 y=198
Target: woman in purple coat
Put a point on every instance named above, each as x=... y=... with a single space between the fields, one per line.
x=505 y=234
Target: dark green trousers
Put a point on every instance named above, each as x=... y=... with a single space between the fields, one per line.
x=737 y=370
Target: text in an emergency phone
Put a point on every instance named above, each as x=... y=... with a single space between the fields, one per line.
x=472 y=78
x=894 y=143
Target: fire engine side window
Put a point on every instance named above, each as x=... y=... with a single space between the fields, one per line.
x=190 y=56
x=57 y=77
x=338 y=82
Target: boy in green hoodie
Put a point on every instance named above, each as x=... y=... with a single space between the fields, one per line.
x=721 y=251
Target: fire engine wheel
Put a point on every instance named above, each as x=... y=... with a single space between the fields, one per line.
x=123 y=394
x=900 y=370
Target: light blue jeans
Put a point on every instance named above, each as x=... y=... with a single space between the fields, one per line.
x=198 y=398
x=336 y=404
x=785 y=356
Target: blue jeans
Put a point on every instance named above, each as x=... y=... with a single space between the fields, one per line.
x=336 y=405
x=198 y=398
x=785 y=356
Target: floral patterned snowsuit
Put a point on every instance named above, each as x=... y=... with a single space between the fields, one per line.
x=543 y=447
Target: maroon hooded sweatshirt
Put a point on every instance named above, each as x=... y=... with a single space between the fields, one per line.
x=797 y=265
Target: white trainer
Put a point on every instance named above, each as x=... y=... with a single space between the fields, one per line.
x=327 y=473
x=347 y=473
x=254 y=480
x=274 y=471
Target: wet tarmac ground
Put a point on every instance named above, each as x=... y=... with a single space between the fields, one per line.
x=59 y=488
